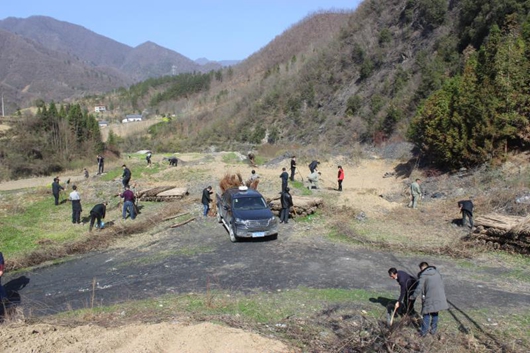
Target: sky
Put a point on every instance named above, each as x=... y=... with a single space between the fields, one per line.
x=212 y=29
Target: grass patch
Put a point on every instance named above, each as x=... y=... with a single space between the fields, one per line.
x=231 y=158
x=35 y=226
x=303 y=190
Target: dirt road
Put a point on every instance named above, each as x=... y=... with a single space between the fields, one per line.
x=199 y=254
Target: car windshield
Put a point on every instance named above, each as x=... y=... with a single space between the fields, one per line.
x=249 y=203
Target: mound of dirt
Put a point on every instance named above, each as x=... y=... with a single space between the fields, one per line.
x=163 y=337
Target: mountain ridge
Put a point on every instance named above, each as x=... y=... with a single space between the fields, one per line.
x=99 y=56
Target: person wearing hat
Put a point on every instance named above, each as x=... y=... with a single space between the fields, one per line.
x=76 y=205
x=56 y=189
x=287 y=202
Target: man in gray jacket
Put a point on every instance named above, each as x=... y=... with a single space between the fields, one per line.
x=431 y=289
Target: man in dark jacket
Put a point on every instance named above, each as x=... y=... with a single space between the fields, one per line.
x=3 y=294
x=148 y=158
x=206 y=199
x=293 y=167
x=173 y=161
x=466 y=207
x=98 y=212
x=431 y=290
x=313 y=166
x=101 y=164
x=126 y=176
x=287 y=202
x=56 y=189
x=407 y=284
x=285 y=178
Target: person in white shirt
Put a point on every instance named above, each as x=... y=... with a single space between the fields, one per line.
x=76 y=205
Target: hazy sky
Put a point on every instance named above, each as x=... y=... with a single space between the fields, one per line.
x=214 y=29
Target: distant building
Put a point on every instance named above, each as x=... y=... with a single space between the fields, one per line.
x=131 y=118
x=100 y=108
x=103 y=123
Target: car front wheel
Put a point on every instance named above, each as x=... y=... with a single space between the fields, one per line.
x=233 y=237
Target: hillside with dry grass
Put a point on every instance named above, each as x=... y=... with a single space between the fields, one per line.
x=384 y=73
x=333 y=79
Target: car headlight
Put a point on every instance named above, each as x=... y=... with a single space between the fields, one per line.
x=241 y=221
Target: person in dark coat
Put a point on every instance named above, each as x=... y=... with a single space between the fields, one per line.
x=285 y=178
x=287 y=202
x=293 y=167
x=466 y=207
x=148 y=158
x=56 y=189
x=313 y=166
x=101 y=164
x=173 y=161
x=3 y=294
x=126 y=176
x=407 y=284
x=76 y=205
x=431 y=290
x=97 y=213
x=206 y=199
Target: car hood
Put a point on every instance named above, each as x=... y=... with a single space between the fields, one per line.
x=253 y=214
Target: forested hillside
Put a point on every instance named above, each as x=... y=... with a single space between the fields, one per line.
x=55 y=138
x=366 y=79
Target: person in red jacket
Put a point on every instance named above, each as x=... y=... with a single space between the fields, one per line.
x=340 y=177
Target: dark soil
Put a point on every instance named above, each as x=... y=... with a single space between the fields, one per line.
x=199 y=255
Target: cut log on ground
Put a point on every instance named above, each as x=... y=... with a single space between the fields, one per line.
x=498 y=221
x=510 y=233
x=163 y=194
x=302 y=205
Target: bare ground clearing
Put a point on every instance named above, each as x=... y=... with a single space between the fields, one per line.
x=199 y=256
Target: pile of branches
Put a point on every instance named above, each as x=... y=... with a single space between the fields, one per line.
x=231 y=181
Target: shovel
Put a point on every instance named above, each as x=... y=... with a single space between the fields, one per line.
x=391 y=319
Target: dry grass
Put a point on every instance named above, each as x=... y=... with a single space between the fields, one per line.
x=428 y=231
